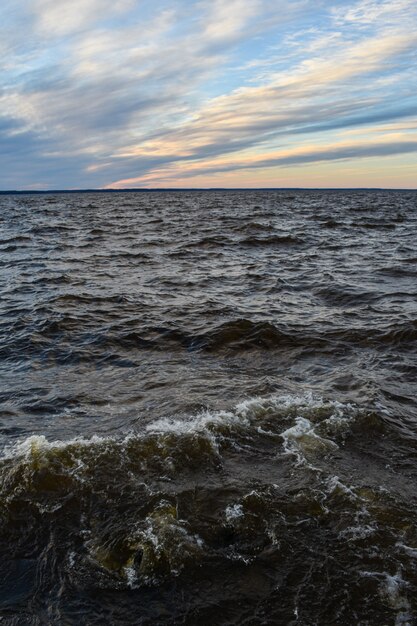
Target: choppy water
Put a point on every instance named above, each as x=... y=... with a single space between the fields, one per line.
x=208 y=408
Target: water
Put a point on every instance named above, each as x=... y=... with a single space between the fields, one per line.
x=208 y=408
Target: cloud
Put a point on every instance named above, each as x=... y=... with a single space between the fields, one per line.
x=109 y=91
x=342 y=150
x=65 y=17
x=367 y=12
x=292 y=103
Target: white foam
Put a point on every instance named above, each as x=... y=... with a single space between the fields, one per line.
x=71 y=559
x=302 y=440
x=38 y=444
x=169 y=538
x=410 y=551
x=131 y=577
x=201 y=423
x=334 y=484
x=353 y=533
x=392 y=593
x=233 y=512
x=254 y=407
x=393 y=590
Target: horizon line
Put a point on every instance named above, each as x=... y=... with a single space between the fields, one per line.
x=171 y=189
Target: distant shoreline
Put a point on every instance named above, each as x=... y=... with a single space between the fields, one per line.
x=17 y=192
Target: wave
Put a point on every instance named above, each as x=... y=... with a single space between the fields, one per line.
x=398 y=270
x=73 y=338
x=247 y=227
x=168 y=502
x=271 y=240
x=375 y=225
x=242 y=334
x=249 y=241
x=45 y=480
x=269 y=413
x=208 y=242
x=330 y=223
x=343 y=295
x=76 y=299
x=402 y=335
x=15 y=238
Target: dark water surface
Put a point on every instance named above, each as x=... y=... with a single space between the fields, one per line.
x=208 y=408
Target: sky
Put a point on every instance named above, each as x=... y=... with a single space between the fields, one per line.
x=208 y=93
